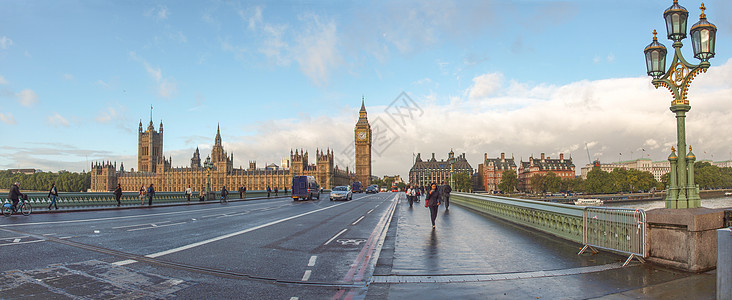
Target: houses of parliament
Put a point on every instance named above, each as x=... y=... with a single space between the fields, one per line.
x=154 y=168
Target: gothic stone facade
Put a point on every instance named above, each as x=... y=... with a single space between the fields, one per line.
x=362 y=137
x=155 y=169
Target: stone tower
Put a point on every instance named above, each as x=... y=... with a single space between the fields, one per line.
x=362 y=136
x=150 y=147
x=220 y=160
x=196 y=160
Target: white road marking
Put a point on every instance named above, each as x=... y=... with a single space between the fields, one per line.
x=335 y=236
x=294 y=298
x=156 y=226
x=30 y=242
x=226 y=236
x=306 y=276
x=359 y=220
x=16 y=240
x=313 y=258
x=96 y=231
x=137 y=225
x=368 y=212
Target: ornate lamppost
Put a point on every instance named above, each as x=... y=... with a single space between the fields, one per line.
x=208 y=165
x=681 y=192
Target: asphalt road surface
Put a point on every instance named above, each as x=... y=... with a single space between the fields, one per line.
x=266 y=249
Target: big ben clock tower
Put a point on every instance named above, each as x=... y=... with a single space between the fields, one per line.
x=363 y=147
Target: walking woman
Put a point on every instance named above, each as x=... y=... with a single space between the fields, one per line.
x=432 y=202
x=141 y=194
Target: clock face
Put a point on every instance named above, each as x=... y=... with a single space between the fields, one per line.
x=361 y=135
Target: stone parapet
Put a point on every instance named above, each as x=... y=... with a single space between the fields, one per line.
x=684 y=239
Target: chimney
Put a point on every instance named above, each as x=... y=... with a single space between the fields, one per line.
x=485 y=156
x=503 y=156
x=433 y=156
x=542 y=157
x=561 y=157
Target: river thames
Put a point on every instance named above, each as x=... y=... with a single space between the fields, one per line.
x=722 y=202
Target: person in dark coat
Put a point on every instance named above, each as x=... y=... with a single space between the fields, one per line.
x=241 y=192
x=433 y=202
x=445 y=190
x=117 y=195
x=14 y=195
x=276 y=191
x=150 y=194
x=269 y=190
x=224 y=193
x=53 y=194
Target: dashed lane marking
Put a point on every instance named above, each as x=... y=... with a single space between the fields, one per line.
x=313 y=258
x=16 y=240
x=156 y=226
x=334 y=237
x=359 y=220
x=306 y=276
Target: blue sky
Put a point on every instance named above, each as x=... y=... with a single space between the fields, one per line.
x=521 y=77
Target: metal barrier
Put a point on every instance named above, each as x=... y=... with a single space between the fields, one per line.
x=620 y=230
x=616 y=229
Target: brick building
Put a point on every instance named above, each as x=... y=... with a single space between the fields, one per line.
x=491 y=171
x=563 y=168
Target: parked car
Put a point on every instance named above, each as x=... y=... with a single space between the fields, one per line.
x=371 y=190
x=342 y=192
x=305 y=188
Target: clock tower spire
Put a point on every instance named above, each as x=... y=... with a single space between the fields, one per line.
x=363 y=146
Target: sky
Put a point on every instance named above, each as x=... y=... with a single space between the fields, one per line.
x=477 y=77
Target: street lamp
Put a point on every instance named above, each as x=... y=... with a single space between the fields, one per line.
x=208 y=165
x=681 y=192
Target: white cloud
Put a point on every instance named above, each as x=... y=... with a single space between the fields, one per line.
x=7 y=118
x=3 y=81
x=159 y=12
x=316 y=49
x=166 y=86
x=27 y=97
x=57 y=120
x=68 y=76
x=485 y=85
x=5 y=42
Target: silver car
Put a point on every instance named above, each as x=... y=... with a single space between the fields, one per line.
x=342 y=192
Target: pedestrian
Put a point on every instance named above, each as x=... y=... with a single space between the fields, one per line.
x=410 y=195
x=241 y=192
x=53 y=194
x=141 y=194
x=276 y=191
x=14 y=195
x=224 y=193
x=117 y=195
x=202 y=194
x=445 y=192
x=189 y=192
x=269 y=190
x=285 y=191
x=150 y=194
x=433 y=202
x=245 y=192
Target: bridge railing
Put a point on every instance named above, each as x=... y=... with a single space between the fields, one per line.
x=100 y=199
x=618 y=230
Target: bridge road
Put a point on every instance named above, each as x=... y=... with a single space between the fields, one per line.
x=264 y=249
x=473 y=256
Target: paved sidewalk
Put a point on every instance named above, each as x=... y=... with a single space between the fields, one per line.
x=472 y=256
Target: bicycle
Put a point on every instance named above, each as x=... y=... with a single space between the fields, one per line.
x=24 y=206
x=223 y=200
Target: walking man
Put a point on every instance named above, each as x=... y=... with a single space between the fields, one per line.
x=150 y=194
x=241 y=192
x=53 y=194
x=446 y=189
x=269 y=190
x=117 y=195
x=189 y=191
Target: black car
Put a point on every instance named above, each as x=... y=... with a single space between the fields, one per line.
x=371 y=190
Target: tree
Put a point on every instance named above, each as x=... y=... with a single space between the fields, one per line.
x=462 y=181
x=538 y=183
x=553 y=182
x=509 y=181
x=598 y=182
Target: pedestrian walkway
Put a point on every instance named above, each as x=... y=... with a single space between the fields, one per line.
x=473 y=256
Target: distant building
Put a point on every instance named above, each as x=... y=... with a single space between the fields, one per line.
x=396 y=178
x=22 y=171
x=155 y=169
x=657 y=168
x=423 y=173
x=563 y=168
x=490 y=172
x=723 y=164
